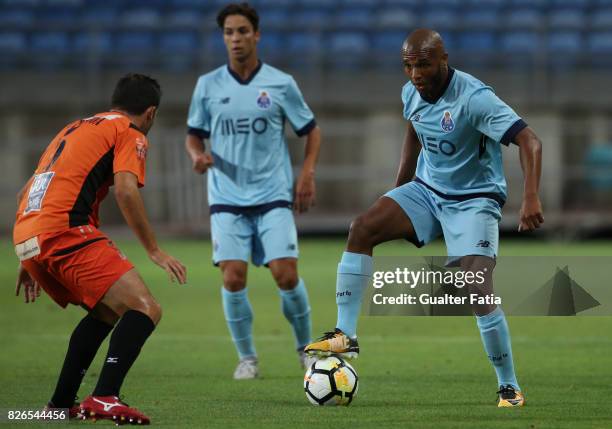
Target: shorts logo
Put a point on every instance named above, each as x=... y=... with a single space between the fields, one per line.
x=291 y=247
x=483 y=243
x=225 y=100
x=264 y=101
x=416 y=117
x=447 y=123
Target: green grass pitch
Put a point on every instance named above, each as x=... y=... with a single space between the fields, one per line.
x=414 y=372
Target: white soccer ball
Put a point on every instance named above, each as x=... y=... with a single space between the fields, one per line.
x=331 y=381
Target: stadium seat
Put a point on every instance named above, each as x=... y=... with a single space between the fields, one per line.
x=566 y=19
x=56 y=17
x=523 y=19
x=441 y=19
x=178 y=49
x=389 y=19
x=98 y=17
x=354 y=18
x=569 y=3
x=184 y=19
x=134 y=49
x=140 y=18
x=273 y=18
x=483 y=18
x=387 y=46
x=306 y=49
x=476 y=48
x=367 y=4
x=412 y=5
x=49 y=49
x=214 y=48
x=12 y=45
x=601 y=19
x=271 y=46
x=528 y=3
x=347 y=49
x=600 y=48
x=520 y=48
x=91 y=49
x=564 y=49
x=16 y=18
x=487 y=4
x=312 y=19
x=319 y=4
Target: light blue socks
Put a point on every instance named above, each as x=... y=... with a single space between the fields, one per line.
x=354 y=273
x=239 y=317
x=496 y=339
x=296 y=309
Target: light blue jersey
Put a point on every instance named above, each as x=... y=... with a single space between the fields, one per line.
x=460 y=134
x=245 y=123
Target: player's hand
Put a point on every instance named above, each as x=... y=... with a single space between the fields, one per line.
x=31 y=289
x=531 y=213
x=176 y=271
x=202 y=162
x=305 y=192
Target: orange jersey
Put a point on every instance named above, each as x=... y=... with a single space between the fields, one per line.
x=75 y=172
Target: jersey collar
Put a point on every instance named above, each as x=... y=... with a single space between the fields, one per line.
x=248 y=79
x=451 y=73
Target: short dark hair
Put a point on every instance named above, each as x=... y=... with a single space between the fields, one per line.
x=135 y=93
x=243 y=9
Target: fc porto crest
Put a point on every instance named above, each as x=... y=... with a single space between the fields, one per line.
x=447 y=123
x=264 y=101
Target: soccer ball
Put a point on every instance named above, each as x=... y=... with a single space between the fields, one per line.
x=331 y=381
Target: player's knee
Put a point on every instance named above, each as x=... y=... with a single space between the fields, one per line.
x=234 y=281
x=361 y=231
x=154 y=311
x=286 y=279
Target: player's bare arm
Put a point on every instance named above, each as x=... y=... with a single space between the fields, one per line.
x=305 y=189
x=200 y=159
x=530 y=150
x=132 y=207
x=410 y=155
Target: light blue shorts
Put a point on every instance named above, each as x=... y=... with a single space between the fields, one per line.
x=262 y=237
x=469 y=227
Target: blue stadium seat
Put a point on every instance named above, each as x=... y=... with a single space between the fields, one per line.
x=214 y=48
x=178 y=49
x=570 y=3
x=445 y=19
x=12 y=45
x=487 y=3
x=91 y=48
x=49 y=49
x=601 y=3
x=318 y=4
x=413 y=5
x=134 y=49
x=368 y=4
x=567 y=19
x=523 y=19
x=482 y=18
x=21 y=3
x=273 y=18
x=312 y=19
x=387 y=46
x=601 y=19
x=16 y=18
x=98 y=17
x=271 y=46
x=477 y=46
x=347 y=49
x=195 y=5
x=184 y=18
x=140 y=18
x=306 y=49
x=62 y=3
x=564 y=49
x=396 y=19
x=354 y=18
x=56 y=16
x=440 y=5
x=529 y=3
x=600 y=43
x=520 y=42
x=274 y=3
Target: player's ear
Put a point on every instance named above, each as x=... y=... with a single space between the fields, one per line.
x=257 y=36
x=150 y=112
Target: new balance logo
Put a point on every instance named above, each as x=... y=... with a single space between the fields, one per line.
x=112 y=360
x=483 y=243
x=225 y=100
x=107 y=406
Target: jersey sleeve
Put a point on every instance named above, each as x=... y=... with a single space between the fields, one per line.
x=198 y=119
x=492 y=117
x=130 y=154
x=297 y=111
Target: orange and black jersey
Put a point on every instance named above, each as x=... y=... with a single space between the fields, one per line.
x=75 y=172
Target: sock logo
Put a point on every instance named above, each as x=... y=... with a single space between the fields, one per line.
x=112 y=360
x=344 y=293
x=498 y=358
